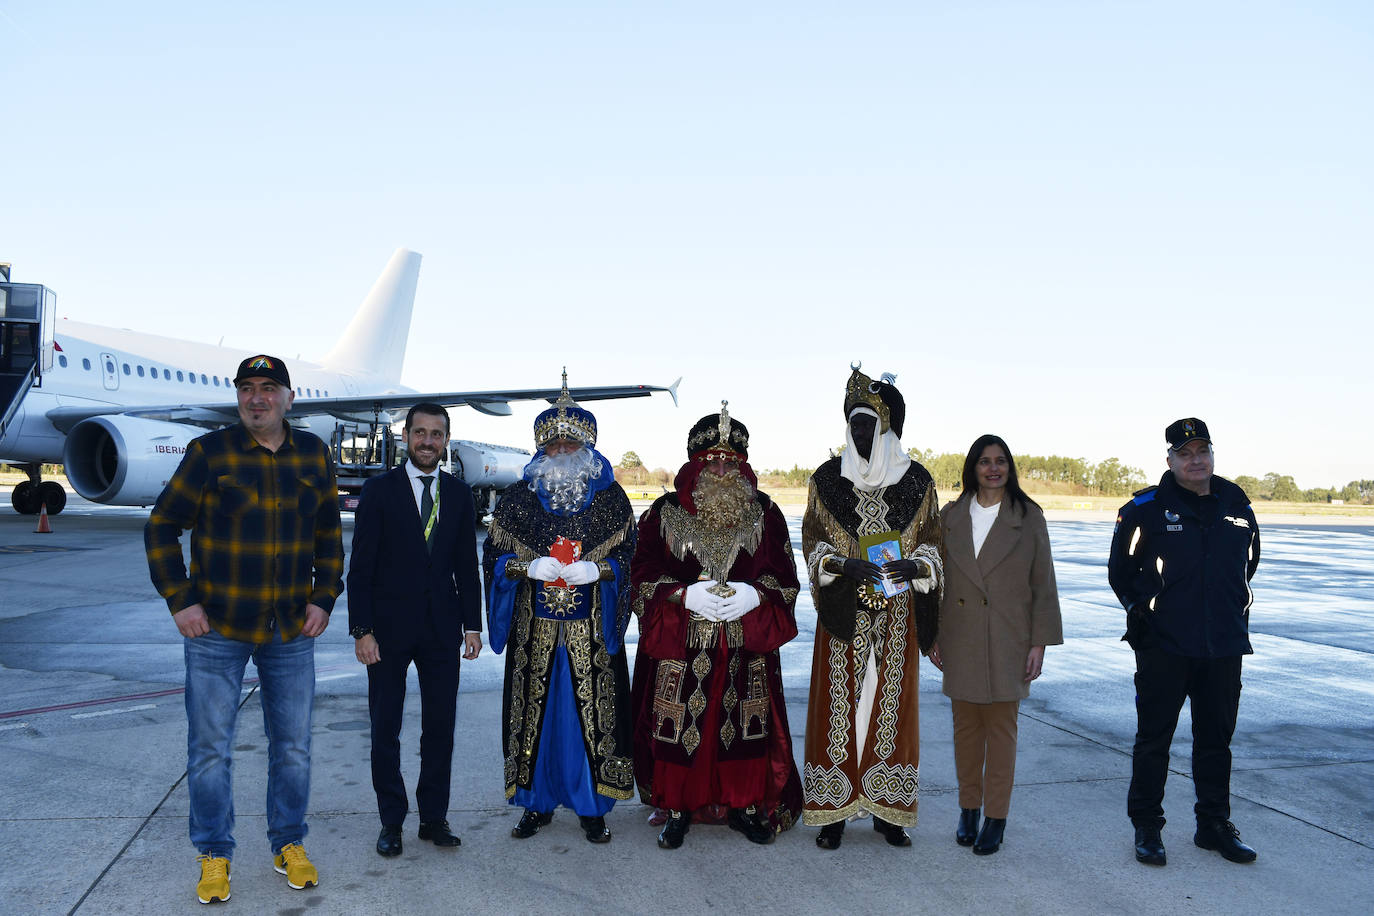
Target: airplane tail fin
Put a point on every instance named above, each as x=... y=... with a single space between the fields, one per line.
x=375 y=341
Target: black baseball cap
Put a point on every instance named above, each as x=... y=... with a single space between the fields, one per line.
x=263 y=366
x=1180 y=432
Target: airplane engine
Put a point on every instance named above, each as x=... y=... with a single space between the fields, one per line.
x=124 y=460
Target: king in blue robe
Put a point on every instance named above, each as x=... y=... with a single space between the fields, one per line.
x=556 y=565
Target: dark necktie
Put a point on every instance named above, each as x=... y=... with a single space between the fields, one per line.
x=426 y=508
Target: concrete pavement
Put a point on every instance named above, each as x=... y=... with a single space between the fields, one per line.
x=93 y=816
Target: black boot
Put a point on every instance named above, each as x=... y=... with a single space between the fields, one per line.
x=748 y=822
x=530 y=822
x=1149 y=847
x=1225 y=839
x=894 y=835
x=595 y=829
x=990 y=837
x=968 y=826
x=831 y=835
x=674 y=829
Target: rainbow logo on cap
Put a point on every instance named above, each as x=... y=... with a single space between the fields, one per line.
x=1188 y=427
x=261 y=362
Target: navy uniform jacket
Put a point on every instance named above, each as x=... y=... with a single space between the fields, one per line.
x=1181 y=566
x=396 y=586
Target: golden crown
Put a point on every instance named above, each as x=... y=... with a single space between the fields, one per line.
x=862 y=391
x=565 y=420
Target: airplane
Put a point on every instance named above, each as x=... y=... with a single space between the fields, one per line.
x=117 y=407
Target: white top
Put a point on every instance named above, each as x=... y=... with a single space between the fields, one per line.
x=982 y=522
x=417 y=486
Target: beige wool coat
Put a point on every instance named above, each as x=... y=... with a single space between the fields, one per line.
x=995 y=606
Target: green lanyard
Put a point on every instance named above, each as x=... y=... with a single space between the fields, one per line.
x=434 y=510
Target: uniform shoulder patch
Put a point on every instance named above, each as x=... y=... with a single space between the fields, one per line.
x=1144 y=496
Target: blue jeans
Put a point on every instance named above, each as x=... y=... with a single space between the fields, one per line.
x=214 y=687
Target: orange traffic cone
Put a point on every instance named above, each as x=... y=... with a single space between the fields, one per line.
x=43 y=526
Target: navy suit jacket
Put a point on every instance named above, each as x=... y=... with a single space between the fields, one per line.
x=395 y=586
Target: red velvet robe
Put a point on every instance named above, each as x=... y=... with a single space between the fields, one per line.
x=710 y=719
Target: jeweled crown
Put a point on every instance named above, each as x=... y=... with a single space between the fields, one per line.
x=862 y=391
x=565 y=420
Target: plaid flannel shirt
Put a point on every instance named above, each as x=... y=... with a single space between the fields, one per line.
x=265 y=533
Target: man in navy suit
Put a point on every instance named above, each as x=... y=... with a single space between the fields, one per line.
x=414 y=596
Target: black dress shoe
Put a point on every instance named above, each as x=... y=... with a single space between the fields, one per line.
x=1225 y=839
x=437 y=832
x=674 y=829
x=894 y=835
x=990 y=837
x=1149 y=847
x=595 y=828
x=529 y=825
x=754 y=828
x=968 y=826
x=389 y=841
x=831 y=835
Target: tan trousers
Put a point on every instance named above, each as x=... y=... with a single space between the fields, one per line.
x=985 y=754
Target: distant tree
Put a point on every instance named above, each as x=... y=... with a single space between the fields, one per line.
x=630 y=460
x=1282 y=488
x=1251 y=485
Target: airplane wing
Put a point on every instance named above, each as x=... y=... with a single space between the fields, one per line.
x=493 y=403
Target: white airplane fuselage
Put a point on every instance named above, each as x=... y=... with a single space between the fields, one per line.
x=112 y=367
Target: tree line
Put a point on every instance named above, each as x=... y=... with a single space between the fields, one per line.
x=1057 y=473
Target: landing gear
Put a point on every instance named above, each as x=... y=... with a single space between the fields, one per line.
x=26 y=498
x=31 y=495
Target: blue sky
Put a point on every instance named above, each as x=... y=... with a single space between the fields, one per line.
x=1066 y=223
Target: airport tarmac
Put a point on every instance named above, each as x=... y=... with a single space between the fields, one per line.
x=92 y=747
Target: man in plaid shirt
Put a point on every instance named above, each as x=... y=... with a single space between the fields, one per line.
x=266 y=566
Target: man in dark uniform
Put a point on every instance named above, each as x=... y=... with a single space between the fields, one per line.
x=1182 y=557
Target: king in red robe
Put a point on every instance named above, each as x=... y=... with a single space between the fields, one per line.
x=713 y=583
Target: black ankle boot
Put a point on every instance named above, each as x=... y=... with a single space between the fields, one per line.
x=529 y=825
x=968 y=826
x=990 y=837
x=894 y=835
x=831 y=835
x=674 y=829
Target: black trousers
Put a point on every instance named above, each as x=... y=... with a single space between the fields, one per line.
x=437 y=667
x=1162 y=682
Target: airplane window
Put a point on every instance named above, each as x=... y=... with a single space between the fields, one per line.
x=192 y=377
x=167 y=374
x=298 y=389
x=86 y=364
x=62 y=361
x=140 y=371
x=127 y=371
x=109 y=367
x=317 y=392
x=326 y=392
x=216 y=381
x=202 y=379
x=179 y=378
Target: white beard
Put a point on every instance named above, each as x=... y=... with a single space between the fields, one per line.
x=565 y=478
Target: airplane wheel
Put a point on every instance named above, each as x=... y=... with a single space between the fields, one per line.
x=25 y=498
x=51 y=493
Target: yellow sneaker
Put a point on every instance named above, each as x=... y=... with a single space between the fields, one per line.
x=295 y=864
x=214 y=879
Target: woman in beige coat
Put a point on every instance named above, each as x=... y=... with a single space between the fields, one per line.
x=999 y=612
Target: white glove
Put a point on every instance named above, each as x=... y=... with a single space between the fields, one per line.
x=744 y=600
x=701 y=601
x=926 y=584
x=581 y=572
x=545 y=569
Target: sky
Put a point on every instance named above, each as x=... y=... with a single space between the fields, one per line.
x=1067 y=223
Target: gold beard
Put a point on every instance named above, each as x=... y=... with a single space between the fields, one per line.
x=721 y=500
